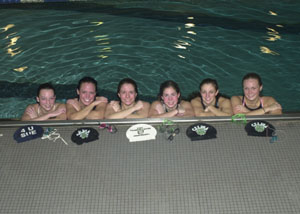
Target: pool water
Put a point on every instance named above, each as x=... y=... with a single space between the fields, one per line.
x=149 y=41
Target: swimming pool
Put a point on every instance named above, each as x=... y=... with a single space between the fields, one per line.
x=149 y=41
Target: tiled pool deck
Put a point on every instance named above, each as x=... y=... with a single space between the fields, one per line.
x=233 y=173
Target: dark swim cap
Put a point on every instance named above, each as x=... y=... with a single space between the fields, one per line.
x=201 y=131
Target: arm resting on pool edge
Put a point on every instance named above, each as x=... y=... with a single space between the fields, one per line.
x=30 y=113
x=87 y=112
x=270 y=107
x=139 y=110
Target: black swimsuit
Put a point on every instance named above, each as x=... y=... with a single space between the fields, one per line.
x=252 y=109
x=94 y=106
x=216 y=104
x=166 y=109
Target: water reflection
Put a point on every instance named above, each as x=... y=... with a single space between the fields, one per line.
x=11 y=48
x=184 y=44
x=267 y=50
x=103 y=41
x=12 y=41
x=272 y=36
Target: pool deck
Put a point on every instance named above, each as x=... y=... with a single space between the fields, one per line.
x=234 y=173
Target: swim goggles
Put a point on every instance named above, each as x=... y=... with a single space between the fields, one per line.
x=239 y=118
x=169 y=128
x=111 y=128
x=173 y=132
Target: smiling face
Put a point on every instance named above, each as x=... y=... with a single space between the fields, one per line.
x=170 y=97
x=127 y=94
x=208 y=93
x=46 y=99
x=251 y=89
x=86 y=93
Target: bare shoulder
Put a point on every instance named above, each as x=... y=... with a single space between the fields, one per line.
x=156 y=103
x=223 y=100
x=71 y=105
x=236 y=98
x=72 y=100
x=60 y=105
x=267 y=100
x=146 y=103
x=196 y=100
x=33 y=106
x=185 y=103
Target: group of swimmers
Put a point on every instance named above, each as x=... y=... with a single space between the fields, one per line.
x=209 y=102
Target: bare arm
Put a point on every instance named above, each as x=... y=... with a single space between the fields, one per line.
x=185 y=110
x=237 y=107
x=224 y=109
x=188 y=109
x=198 y=108
x=156 y=111
x=139 y=110
x=141 y=113
x=98 y=113
x=75 y=113
x=30 y=114
x=270 y=107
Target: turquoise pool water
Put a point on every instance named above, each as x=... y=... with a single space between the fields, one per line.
x=149 y=41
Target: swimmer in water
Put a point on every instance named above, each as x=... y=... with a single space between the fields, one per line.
x=46 y=108
x=169 y=103
x=128 y=105
x=210 y=102
x=87 y=105
x=251 y=103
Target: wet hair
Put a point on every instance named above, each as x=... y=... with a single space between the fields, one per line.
x=87 y=80
x=167 y=84
x=252 y=76
x=45 y=86
x=209 y=81
x=127 y=81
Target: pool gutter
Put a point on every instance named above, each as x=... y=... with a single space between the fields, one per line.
x=17 y=123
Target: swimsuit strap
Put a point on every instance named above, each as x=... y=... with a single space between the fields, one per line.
x=216 y=103
x=166 y=109
x=252 y=109
x=261 y=102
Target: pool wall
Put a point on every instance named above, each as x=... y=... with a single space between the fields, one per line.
x=233 y=173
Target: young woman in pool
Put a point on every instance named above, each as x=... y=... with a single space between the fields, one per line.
x=128 y=105
x=210 y=103
x=46 y=108
x=251 y=103
x=87 y=105
x=170 y=103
